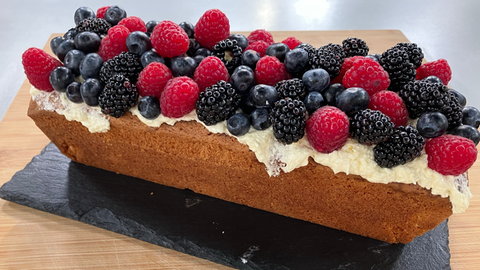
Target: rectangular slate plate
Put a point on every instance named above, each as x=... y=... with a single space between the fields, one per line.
x=209 y=228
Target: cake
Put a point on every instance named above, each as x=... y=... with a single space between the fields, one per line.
x=340 y=180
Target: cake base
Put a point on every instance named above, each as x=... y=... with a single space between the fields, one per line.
x=226 y=233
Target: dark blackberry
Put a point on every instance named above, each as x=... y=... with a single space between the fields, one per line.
x=403 y=146
x=229 y=52
x=125 y=63
x=423 y=96
x=329 y=57
x=293 y=88
x=288 y=117
x=415 y=54
x=308 y=48
x=371 y=127
x=400 y=70
x=453 y=112
x=118 y=96
x=99 y=26
x=217 y=103
x=354 y=46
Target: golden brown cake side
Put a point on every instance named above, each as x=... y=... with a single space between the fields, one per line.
x=187 y=155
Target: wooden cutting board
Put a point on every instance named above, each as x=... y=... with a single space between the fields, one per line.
x=31 y=239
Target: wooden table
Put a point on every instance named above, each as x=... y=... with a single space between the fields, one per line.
x=32 y=239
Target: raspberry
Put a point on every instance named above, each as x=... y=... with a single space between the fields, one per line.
x=390 y=104
x=327 y=129
x=209 y=72
x=439 y=68
x=347 y=64
x=211 y=28
x=450 y=154
x=169 y=39
x=38 y=65
x=114 y=43
x=260 y=34
x=291 y=42
x=179 y=97
x=269 y=71
x=258 y=46
x=101 y=12
x=367 y=74
x=152 y=79
x=133 y=23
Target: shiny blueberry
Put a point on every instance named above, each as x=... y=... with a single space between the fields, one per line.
x=460 y=97
x=149 y=107
x=72 y=61
x=246 y=105
x=238 y=124
x=198 y=59
x=150 y=26
x=90 y=89
x=242 y=41
x=83 y=13
x=87 y=42
x=115 y=14
x=432 y=124
x=60 y=78
x=73 y=92
x=313 y=101
x=54 y=43
x=468 y=132
x=296 y=60
x=260 y=119
x=151 y=56
x=70 y=34
x=183 y=66
x=193 y=47
x=138 y=42
x=316 y=79
x=90 y=66
x=250 y=58
x=242 y=79
x=263 y=96
x=331 y=93
x=188 y=28
x=278 y=50
x=433 y=79
x=204 y=52
x=352 y=100
x=374 y=56
x=471 y=116
x=64 y=47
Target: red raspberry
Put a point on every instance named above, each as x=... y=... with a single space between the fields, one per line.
x=169 y=39
x=291 y=42
x=101 y=12
x=390 y=104
x=114 y=42
x=439 y=68
x=367 y=74
x=327 y=129
x=450 y=154
x=38 y=65
x=347 y=64
x=210 y=71
x=260 y=34
x=179 y=97
x=152 y=79
x=269 y=70
x=211 y=28
x=258 y=46
x=133 y=23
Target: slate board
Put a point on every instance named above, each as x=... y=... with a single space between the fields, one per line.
x=209 y=228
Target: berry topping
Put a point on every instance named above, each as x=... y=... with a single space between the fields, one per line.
x=450 y=154
x=313 y=101
x=60 y=78
x=471 y=116
x=250 y=58
x=210 y=71
x=217 y=103
x=38 y=65
x=73 y=92
x=367 y=74
x=98 y=26
x=150 y=57
x=260 y=119
x=115 y=14
x=352 y=100
x=126 y=63
x=396 y=62
x=238 y=124
x=118 y=96
x=138 y=42
x=288 y=118
x=269 y=70
x=152 y=79
x=169 y=39
x=72 y=61
x=371 y=127
x=354 y=46
x=83 y=13
x=211 y=28
x=114 y=43
x=296 y=60
x=87 y=42
x=263 y=96
x=90 y=66
x=243 y=79
x=439 y=68
x=133 y=23
x=390 y=104
x=468 y=132
x=291 y=42
x=332 y=92
x=415 y=54
x=327 y=129
x=242 y=40
x=101 y=12
x=64 y=47
x=90 y=89
x=188 y=28
x=278 y=50
x=179 y=96
x=329 y=57
x=183 y=66
x=229 y=52
x=292 y=88
x=260 y=34
x=259 y=46
x=149 y=107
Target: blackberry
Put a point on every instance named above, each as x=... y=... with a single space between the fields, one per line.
x=288 y=117
x=354 y=46
x=293 y=88
x=217 y=103
x=308 y=48
x=125 y=63
x=329 y=57
x=403 y=146
x=118 y=96
x=229 y=52
x=424 y=96
x=396 y=62
x=415 y=53
x=98 y=26
x=453 y=112
x=371 y=127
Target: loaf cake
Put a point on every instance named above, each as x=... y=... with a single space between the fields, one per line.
x=342 y=182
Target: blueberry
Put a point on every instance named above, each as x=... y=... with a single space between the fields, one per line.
x=151 y=56
x=296 y=60
x=242 y=41
x=149 y=107
x=60 y=78
x=316 y=79
x=460 y=97
x=70 y=34
x=54 y=43
x=150 y=26
x=246 y=105
x=353 y=100
x=90 y=66
x=263 y=96
x=193 y=47
x=204 y=52
x=188 y=28
x=313 y=101
x=138 y=42
x=260 y=119
x=238 y=124
x=64 y=47
x=468 y=132
x=87 y=42
x=432 y=124
x=183 y=66
x=278 y=50
x=83 y=13
x=115 y=14
x=198 y=59
x=72 y=61
x=331 y=93
x=471 y=116
x=374 y=56
x=433 y=79
x=250 y=58
x=73 y=92
x=90 y=89
x=242 y=79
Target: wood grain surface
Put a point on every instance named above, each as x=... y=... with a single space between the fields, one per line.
x=32 y=239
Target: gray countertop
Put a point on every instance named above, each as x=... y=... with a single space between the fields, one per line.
x=443 y=29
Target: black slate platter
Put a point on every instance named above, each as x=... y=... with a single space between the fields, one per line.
x=223 y=232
